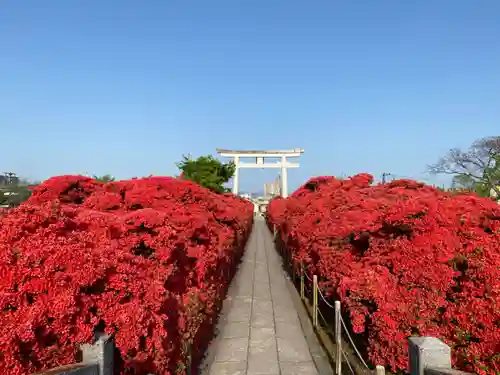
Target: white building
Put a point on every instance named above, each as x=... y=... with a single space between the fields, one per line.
x=272 y=189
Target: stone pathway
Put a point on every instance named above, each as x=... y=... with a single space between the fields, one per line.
x=260 y=332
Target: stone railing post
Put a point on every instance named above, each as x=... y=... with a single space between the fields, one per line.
x=100 y=353
x=425 y=352
x=429 y=355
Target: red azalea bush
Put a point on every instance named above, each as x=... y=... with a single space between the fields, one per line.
x=405 y=259
x=146 y=260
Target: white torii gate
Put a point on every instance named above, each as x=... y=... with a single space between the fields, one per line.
x=259 y=156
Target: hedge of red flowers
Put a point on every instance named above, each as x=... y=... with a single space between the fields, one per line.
x=146 y=260
x=405 y=259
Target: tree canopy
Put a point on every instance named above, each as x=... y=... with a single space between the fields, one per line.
x=105 y=178
x=13 y=189
x=477 y=168
x=207 y=171
x=17 y=195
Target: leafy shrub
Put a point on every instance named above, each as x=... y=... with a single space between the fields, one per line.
x=405 y=259
x=146 y=260
x=207 y=172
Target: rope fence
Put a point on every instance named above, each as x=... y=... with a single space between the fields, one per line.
x=339 y=326
x=427 y=355
x=311 y=291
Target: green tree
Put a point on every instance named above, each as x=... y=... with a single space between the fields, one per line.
x=3 y=199
x=14 y=190
x=18 y=194
x=105 y=178
x=207 y=172
x=477 y=168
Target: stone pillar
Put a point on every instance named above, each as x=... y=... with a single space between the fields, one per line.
x=101 y=353
x=284 y=178
x=427 y=354
x=236 y=176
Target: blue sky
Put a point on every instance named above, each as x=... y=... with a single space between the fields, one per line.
x=127 y=87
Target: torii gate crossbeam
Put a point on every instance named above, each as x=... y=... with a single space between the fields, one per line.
x=258 y=156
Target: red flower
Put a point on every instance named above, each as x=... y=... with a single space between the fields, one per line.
x=404 y=259
x=146 y=260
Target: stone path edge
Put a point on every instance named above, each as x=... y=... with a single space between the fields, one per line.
x=317 y=351
x=209 y=356
x=318 y=354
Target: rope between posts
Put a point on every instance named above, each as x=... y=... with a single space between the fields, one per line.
x=324 y=299
x=306 y=288
x=307 y=277
x=352 y=343
x=326 y=328
x=348 y=364
x=322 y=316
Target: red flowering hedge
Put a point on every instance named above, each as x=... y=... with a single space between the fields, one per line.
x=405 y=259
x=146 y=260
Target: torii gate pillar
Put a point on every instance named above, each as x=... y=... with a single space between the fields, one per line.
x=284 y=177
x=258 y=156
x=236 y=177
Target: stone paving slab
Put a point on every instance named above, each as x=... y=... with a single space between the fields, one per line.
x=260 y=333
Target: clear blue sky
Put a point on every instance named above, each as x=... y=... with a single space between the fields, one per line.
x=127 y=87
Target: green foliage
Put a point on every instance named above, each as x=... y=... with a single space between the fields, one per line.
x=3 y=199
x=106 y=178
x=207 y=171
x=22 y=193
x=14 y=195
x=494 y=173
x=482 y=186
x=482 y=190
x=13 y=190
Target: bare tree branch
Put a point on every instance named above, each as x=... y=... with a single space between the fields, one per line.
x=480 y=163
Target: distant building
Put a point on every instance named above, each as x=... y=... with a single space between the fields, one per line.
x=273 y=189
x=9 y=179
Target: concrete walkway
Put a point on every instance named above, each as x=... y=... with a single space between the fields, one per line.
x=260 y=331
